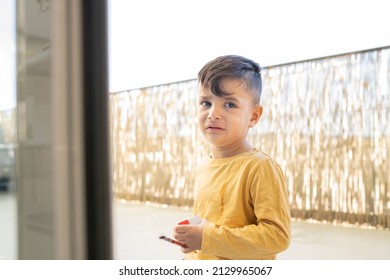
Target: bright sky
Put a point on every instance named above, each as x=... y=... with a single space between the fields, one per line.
x=154 y=42
x=159 y=41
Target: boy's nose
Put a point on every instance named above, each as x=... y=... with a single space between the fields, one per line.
x=214 y=113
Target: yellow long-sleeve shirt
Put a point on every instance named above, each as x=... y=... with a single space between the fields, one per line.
x=244 y=199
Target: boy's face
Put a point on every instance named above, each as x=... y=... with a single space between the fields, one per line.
x=225 y=121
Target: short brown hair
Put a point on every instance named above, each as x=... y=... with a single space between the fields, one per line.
x=231 y=66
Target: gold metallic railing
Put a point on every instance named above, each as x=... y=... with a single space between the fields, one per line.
x=326 y=121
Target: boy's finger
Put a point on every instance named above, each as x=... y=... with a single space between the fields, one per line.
x=181 y=229
x=186 y=250
x=178 y=236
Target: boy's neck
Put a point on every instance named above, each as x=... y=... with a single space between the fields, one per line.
x=225 y=152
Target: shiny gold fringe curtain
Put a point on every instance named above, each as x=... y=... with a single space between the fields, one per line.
x=155 y=143
x=326 y=121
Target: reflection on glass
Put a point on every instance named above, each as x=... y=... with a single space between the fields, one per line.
x=8 y=232
x=33 y=153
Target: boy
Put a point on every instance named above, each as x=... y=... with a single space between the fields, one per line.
x=240 y=192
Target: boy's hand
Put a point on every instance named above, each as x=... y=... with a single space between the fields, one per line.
x=191 y=235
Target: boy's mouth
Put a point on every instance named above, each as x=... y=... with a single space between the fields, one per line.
x=212 y=127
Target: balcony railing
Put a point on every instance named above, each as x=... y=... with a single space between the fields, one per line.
x=326 y=121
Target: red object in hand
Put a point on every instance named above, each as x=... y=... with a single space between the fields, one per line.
x=191 y=221
x=173 y=241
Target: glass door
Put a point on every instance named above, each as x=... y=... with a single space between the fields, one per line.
x=62 y=167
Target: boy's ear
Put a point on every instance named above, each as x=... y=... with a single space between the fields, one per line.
x=256 y=115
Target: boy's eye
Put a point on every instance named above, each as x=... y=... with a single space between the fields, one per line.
x=205 y=103
x=230 y=105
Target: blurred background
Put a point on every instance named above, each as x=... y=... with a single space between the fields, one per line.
x=98 y=136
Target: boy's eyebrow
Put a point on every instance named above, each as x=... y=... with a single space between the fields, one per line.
x=231 y=98
x=203 y=96
x=226 y=98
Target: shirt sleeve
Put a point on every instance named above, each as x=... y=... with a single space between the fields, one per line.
x=271 y=234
